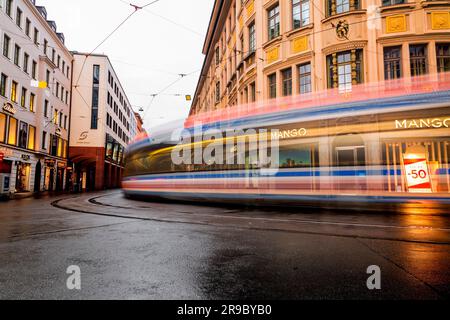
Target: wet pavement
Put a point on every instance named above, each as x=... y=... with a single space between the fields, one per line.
x=129 y=249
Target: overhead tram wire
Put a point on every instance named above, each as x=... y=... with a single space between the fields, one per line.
x=136 y=9
x=182 y=76
x=170 y=21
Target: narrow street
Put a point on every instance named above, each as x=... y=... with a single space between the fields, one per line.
x=129 y=249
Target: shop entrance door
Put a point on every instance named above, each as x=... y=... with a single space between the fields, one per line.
x=37 y=177
x=351 y=173
x=59 y=180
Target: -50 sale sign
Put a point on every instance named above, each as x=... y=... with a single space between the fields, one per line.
x=417 y=175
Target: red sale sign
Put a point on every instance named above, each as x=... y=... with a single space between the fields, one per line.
x=417 y=175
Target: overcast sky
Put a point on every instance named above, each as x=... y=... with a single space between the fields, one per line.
x=148 y=52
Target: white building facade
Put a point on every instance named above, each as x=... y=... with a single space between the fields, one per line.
x=35 y=84
x=102 y=123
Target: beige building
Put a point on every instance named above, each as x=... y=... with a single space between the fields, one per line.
x=102 y=123
x=263 y=49
x=35 y=70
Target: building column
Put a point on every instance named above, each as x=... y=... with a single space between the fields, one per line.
x=100 y=170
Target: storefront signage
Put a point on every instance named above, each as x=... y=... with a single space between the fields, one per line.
x=62 y=164
x=8 y=107
x=436 y=123
x=49 y=163
x=6 y=152
x=417 y=175
x=286 y=134
x=26 y=157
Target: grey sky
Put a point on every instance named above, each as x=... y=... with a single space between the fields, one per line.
x=148 y=52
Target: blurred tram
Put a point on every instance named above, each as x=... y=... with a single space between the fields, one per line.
x=380 y=143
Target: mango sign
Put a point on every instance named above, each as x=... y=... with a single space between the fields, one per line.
x=417 y=175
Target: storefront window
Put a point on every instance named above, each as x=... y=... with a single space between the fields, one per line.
x=2 y=127
x=12 y=132
x=296 y=156
x=23 y=133
x=64 y=155
x=31 y=138
x=60 y=147
x=53 y=145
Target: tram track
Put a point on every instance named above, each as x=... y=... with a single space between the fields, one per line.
x=94 y=206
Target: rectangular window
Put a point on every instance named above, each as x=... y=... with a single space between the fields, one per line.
x=253 y=92
x=274 y=22
x=31 y=138
x=23 y=97
x=217 y=92
x=65 y=122
x=55 y=117
x=392 y=2
x=3 y=81
x=19 y=18
x=304 y=73
x=12 y=131
x=58 y=61
x=53 y=144
x=343 y=71
x=36 y=36
x=60 y=147
x=95 y=96
x=252 y=37
x=217 y=56
x=2 y=127
x=443 y=57
x=273 y=86
x=300 y=13
x=418 y=59
x=8 y=8
x=392 y=62
x=342 y=6
x=53 y=55
x=57 y=90
x=16 y=55
x=47 y=78
x=32 y=98
x=44 y=140
x=60 y=120
x=45 y=46
x=14 y=91
x=27 y=27
x=6 y=43
x=46 y=108
x=34 y=70
x=23 y=134
x=26 y=59
x=287 y=82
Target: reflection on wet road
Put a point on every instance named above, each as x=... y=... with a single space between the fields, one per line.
x=131 y=249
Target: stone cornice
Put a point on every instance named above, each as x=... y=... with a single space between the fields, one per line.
x=358 y=44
